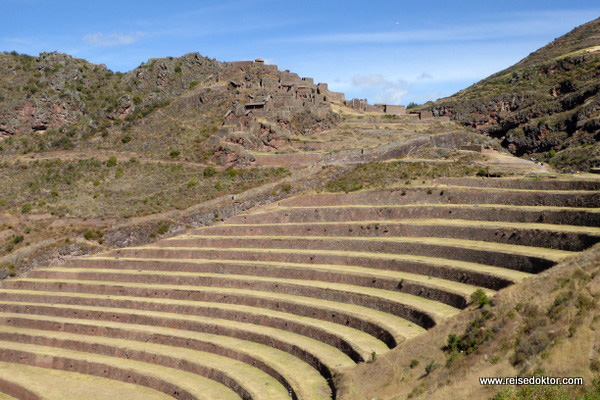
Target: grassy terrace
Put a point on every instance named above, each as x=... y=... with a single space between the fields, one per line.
x=294 y=293
x=192 y=385
x=385 y=174
x=450 y=205
x=275 y=269
x=550 y=254
x=438 y=310
x=512 y=275
x=398 y=327
x=331 y=357
x=247 y=381
x=420 y=222
x=361 y=342
x=301 y=377
x=73 y=386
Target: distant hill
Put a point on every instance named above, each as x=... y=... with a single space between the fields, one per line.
x=200 y=108
x=547 y=105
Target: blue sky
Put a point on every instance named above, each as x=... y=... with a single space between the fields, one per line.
x=386 y=51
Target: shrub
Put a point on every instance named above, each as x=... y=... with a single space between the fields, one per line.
x=126 y=138
x=111 y=162
x=93 y=235
x=479 y=297
x=137 y=99
x=174 y=153
x=287 y=188
x=191 y=184
x=483 y=172
x=430 y=367
x=193 y=84
x=209 y=172
x=162 y=228
x=26 y=208
x=232 y=173
x=414 y=364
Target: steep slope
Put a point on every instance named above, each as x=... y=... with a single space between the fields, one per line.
x=548 y=102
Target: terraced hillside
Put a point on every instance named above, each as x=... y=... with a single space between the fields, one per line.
x=279 y=301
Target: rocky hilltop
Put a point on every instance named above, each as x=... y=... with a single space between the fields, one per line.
x=547 y=105
x=204 y=109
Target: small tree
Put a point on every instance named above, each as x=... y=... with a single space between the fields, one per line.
x=479 y=297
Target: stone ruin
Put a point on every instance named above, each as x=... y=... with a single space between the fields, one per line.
x=363 y=105
x=281 y=94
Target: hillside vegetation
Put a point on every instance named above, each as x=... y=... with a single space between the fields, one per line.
x=547 y=105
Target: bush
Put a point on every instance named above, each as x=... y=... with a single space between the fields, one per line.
x=193 y=84
x=162 y=228
x=126 y=138
x=174 y=153
x=232 y=173
x=209 y=172
x=414 y=364
x=111 y=162
x=430 y=367
x=286 y=188
x=26 y=208
x=479 y=297
x=93 y=235
x=191 y=184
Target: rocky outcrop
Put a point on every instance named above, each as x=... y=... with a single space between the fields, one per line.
x=550 y=101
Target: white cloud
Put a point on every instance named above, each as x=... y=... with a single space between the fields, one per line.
x=113 y=39
x=369 y=80
x=384 y=90
x=424 y=76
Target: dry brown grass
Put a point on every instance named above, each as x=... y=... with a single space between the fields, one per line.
x=521 y=313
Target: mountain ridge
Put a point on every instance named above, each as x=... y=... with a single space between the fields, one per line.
x=545 y=106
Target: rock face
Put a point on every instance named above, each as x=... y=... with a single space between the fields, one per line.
x=550 y=101
x=55 y=90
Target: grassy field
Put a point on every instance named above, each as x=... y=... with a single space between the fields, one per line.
x=109 y=189
x=385 y=174
x=63 y=200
